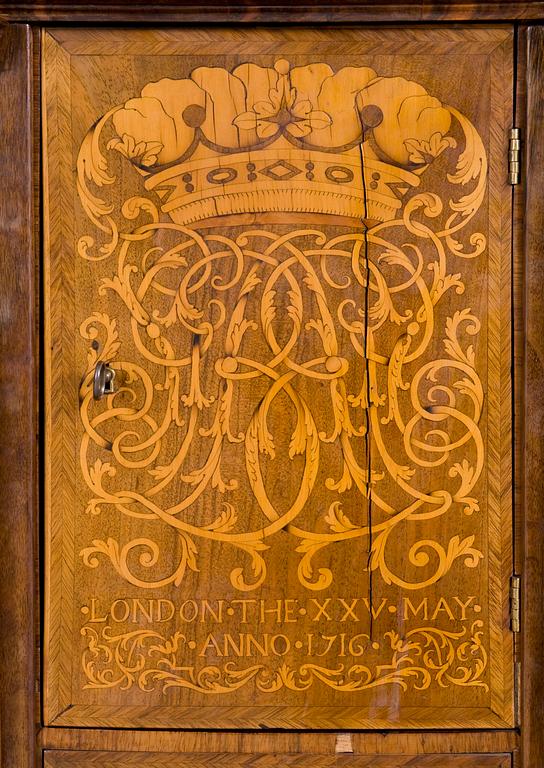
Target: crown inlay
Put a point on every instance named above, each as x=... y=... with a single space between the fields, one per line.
x=257 y=139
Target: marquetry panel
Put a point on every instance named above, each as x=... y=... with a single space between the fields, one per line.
x=226 y=760
x=292 y=247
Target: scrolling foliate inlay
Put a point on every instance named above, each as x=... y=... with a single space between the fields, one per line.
x=147 y=659
x=339 y=333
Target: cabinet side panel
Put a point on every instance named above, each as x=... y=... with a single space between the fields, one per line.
x=533 y=624
x=18 y=403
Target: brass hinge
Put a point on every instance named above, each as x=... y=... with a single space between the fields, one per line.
x=514 y=159
x=515 y=603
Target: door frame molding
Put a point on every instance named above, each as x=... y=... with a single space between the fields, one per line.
x=19 y=324
x=256 y=11
x=531 y=448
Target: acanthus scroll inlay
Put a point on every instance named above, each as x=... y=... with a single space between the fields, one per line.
x=148 y=660
x=342 y=336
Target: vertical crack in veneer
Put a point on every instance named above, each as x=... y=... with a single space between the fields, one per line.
x=367 y=385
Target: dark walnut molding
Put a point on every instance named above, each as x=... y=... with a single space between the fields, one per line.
x=346 y=11
x=18 y=401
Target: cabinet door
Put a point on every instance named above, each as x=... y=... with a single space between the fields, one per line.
x=278 y=378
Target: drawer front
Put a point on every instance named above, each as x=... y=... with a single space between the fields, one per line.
x=63 y=759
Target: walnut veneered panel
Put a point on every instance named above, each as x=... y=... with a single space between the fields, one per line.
x=292 y=246
x=64 y=759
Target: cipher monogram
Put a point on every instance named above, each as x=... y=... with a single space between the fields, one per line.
x=230 y=337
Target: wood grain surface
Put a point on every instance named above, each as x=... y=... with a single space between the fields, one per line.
x=18 y=401
x=533 y=456
x=16 y=674
x=303 y=743
x=224 y=760
x=124 y=12
x=369 y=538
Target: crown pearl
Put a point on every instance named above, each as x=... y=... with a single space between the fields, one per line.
x=282 y=66
x=371 y=116
x=194 y=115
